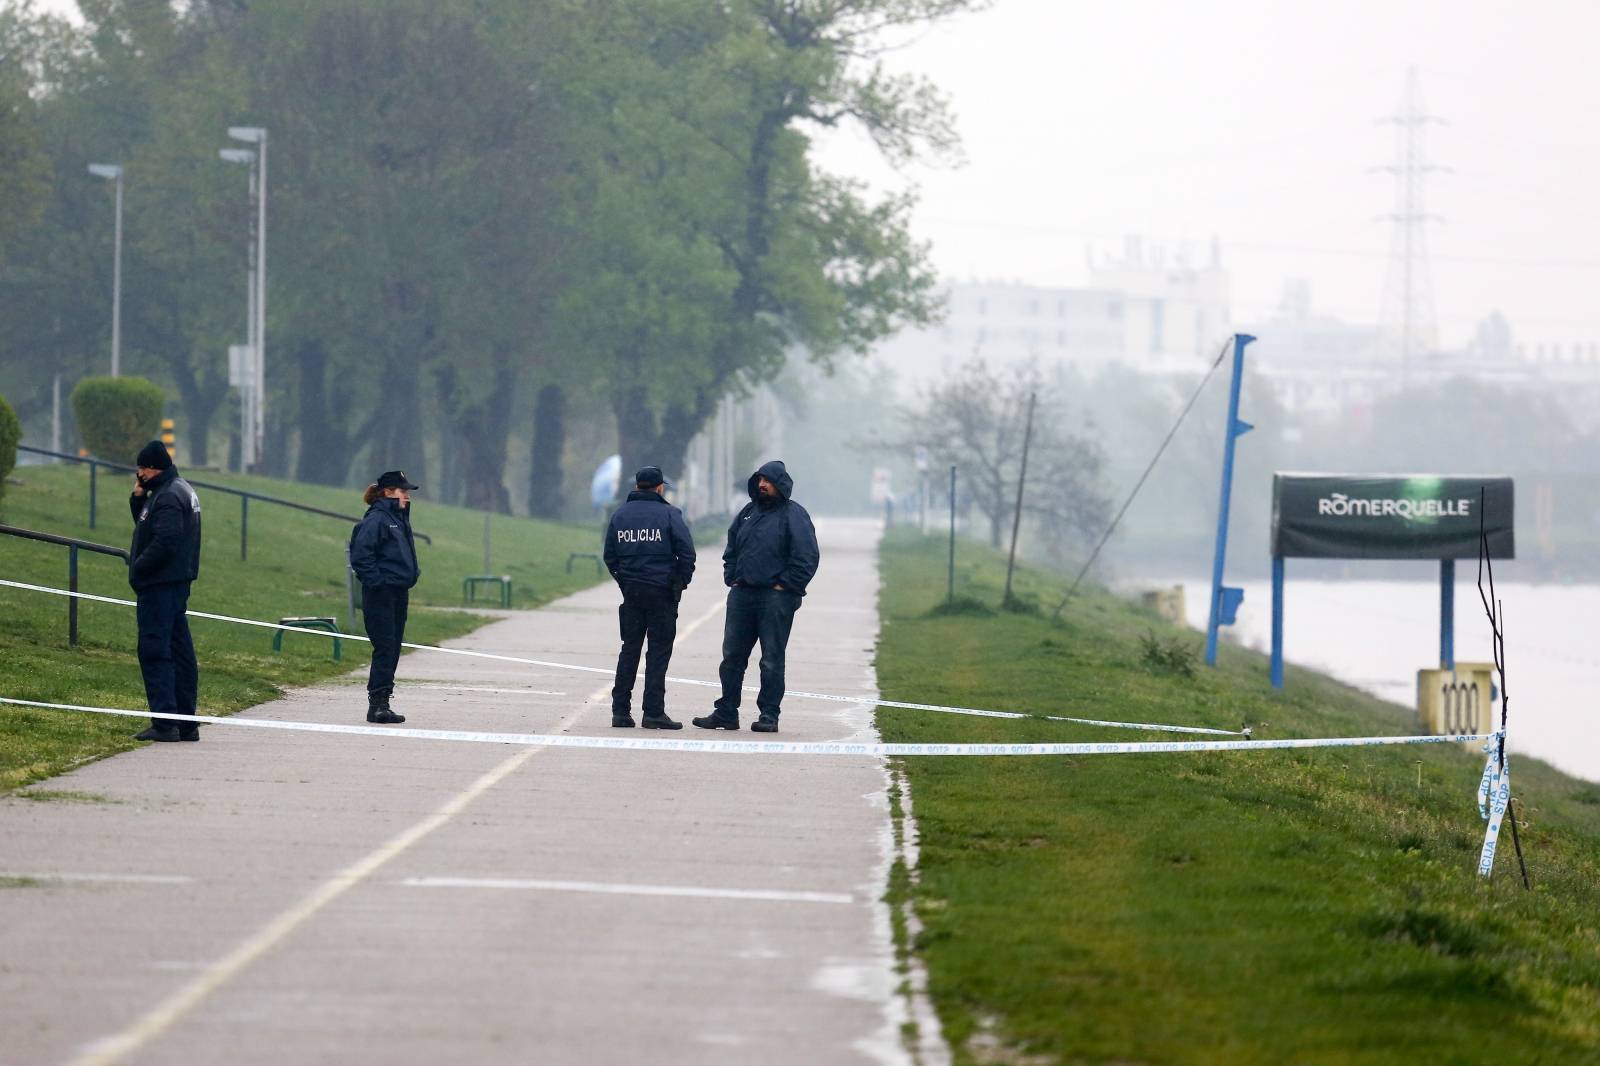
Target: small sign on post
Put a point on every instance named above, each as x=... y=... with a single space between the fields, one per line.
x=241 y=366
x=880 y=484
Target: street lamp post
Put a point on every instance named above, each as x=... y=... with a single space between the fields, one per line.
x=242 y=360
x=113 y=172
x=257 y=136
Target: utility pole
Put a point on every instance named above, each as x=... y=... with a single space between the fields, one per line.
x=950 y=596
x=242 y=358
x=1408 y=326
x=113 y=172
x=1022 y=477
x=257 y=135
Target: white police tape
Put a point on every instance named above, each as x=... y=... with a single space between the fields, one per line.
x=1494 y=800
x=827 y=697
x=761 y=747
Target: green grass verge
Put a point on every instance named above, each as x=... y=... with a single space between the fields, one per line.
x=1271 y=907
x=295 y=568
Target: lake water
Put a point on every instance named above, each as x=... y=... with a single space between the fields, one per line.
x=1376 y=635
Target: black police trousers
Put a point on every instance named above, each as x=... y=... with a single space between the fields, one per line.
x=383 y=609
x=166 y=651
x=647 y=610
x=763 y=615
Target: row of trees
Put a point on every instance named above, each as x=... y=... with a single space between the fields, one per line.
x=484 y=214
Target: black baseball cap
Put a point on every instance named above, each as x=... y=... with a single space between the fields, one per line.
x=396 y=479
x=649 y=477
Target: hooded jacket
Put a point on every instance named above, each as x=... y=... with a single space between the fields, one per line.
x=382 y=550
x=648 y=543
x=166 y=533
x=771 y=542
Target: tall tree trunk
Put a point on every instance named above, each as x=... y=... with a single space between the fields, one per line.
x=194 y=438
x=450 y=487
x=447 y=398
x=996 y=512
x=647 y=439
x=678 y=427
x=547 y=451
x=200 y=396
x=274 y=460
x=399 y=427
x=399 y=421
x=324 y=435
x=482 y=431
x=636 y=426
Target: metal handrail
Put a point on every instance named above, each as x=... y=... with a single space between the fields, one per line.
x=245 y=496
x=72 y=544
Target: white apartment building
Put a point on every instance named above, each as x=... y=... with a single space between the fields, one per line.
x=1148 y=309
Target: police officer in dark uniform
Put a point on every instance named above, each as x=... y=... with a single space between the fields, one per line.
x=649 y=551
x=383 y=554
x=164 y=559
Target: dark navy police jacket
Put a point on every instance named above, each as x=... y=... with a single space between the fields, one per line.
x=166 y=533
x=382 y=549
x=771 y=543
x=648 y=543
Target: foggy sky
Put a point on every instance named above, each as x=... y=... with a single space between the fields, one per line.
x=1255 y=120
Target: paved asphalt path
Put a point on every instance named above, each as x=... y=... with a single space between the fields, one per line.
x=275 y=897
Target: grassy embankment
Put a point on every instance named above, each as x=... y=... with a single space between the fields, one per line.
x=1252 y=907
x=295 y=568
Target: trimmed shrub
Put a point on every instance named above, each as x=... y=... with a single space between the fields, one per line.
x=10 y=434
x=117 y=416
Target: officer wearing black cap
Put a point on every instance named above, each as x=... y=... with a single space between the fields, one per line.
x=164 y=559
x=383 y=555
x=649 y=551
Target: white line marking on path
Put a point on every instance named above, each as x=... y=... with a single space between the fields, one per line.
x=127 y=879
x=163 y=1015
x=472 y=688
x=615 y=889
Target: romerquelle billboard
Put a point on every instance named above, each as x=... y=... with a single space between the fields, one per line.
x=1425 y=516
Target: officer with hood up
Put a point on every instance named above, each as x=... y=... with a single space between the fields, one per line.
x=771 y=557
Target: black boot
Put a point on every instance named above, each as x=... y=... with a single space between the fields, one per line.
x=622 y=719
x=765 y=724
x=660 y=721
x=717 y=720
x=378 y=710
x=160 y=729
x=188 y=732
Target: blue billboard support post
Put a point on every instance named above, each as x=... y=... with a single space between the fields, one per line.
x=1225 y=601
x=1447 y=614
x=1277 y=621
